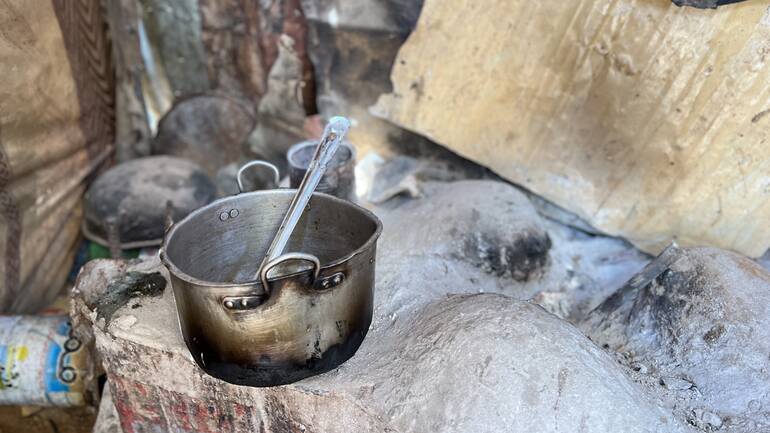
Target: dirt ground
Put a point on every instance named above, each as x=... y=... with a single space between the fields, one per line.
x=14 y=419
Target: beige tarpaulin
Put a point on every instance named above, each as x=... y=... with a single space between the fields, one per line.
x=56 y=126
x=646 y=119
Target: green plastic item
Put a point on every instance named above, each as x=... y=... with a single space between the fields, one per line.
x=96 y=251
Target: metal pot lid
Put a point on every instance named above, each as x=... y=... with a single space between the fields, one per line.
x=131 y=201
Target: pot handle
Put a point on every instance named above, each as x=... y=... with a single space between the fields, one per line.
x=285 y=257
x=239 y=176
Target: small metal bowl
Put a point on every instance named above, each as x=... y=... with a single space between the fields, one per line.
x=339 y=179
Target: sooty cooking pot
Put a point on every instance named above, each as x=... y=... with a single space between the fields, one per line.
x=294 y=321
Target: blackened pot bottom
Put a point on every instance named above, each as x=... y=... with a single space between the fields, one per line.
x=270 y=373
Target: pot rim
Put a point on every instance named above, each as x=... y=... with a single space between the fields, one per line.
x=177 y=272
x=292 y=153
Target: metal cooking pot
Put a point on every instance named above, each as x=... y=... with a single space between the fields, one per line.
x=127 y=205
x=292 y=322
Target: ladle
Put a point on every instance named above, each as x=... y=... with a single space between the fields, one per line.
x=330 y=141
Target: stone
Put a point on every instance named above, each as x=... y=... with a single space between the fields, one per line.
x=57 y=123
x=482 y=362
x=706 y=420
x=403 y=174
x=486 y=363
x=764 y=261
x=480 y=234
x=675 y=383
x=454 y=346
x=704 y=4
x=610 y=109
x=107 y=419
x=639 y=367
x=488 y=234
x=593 y=267
x=394 y=177
x=701 y=318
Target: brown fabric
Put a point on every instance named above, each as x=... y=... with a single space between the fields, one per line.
x=9 y=211
x=56 y=129
x=90 y=56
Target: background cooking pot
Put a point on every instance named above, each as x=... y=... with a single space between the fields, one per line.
x=339 y=179
x=128 y=204
x=295 y=322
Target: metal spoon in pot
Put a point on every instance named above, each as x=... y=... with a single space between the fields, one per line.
x=330 y=141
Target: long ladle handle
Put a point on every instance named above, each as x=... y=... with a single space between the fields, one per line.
x=333 y=135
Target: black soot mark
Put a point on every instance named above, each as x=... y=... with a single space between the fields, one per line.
x=522 y=260
x=130 y=286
